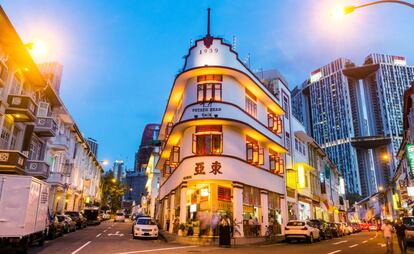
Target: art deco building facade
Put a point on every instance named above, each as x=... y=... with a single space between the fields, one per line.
x=226 y=139
x=354 y=113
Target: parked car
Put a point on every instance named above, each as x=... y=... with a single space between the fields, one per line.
x=336 y=232
x=364 y=226
x=145 y=227
x=106 y=215
x=409 y=224
x=356 y=227
x=323 y=227
x=372 y=227
x=119 y=216
x=78 y=218
x=341 y=229
x=68 y=224
x=56 y=228
x=348 y=229
x=301 y=230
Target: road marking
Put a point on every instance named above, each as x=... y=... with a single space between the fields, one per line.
x=334 y=251
x=116 y=234
x=352 y=246
x=105 y=230
x=78 y=249
x=381 y=244
x=364 y=241
x=340 y=242
x=98 y=235
x=172 y=248
x=274 y=244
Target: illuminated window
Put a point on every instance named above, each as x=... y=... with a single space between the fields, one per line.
x=274 y=122
x=208 y=139
x=254 y=154
x=276 y=163
x=251 y=106
x=175 y=155
x=211 y=77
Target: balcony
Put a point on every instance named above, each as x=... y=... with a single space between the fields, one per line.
x=60 y=143
x=12 y=162
x=38 y=169
x=46 y=127
x=22 y=108
x=56 y=178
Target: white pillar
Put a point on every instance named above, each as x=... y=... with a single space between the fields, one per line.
x=172 y=210
x=164 y=213
x=183 y=203
x=265 y=211
x=238 y=209
x=284 y=213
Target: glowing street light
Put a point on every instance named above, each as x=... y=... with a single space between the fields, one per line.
x=105 y=162
x=385 y=157
x=340 y=12
x=380 y=188
x=113 y=180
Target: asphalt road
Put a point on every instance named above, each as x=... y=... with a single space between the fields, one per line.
x=116 y=238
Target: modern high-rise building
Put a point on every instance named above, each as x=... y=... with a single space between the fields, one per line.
x=93 y=144
x=118 y=170
x=354 y=113
x=148 y=142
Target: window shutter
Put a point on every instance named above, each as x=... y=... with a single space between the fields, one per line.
x=282 y=166
x=270 y=121
x=194 y=150
x=43 y=109
x=272 y=163
x=249 y=152
x=255 y=154
x=175 y=158
x=261 y=156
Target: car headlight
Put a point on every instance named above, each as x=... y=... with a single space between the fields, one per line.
x=137 y=228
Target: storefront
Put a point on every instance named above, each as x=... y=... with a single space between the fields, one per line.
x=304 y=207
x=275 y=214
x=251 y=211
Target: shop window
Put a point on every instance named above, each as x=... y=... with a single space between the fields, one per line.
x=208 y=139
x=223 y=194
x=276 y=163
x=254 y=154
x=251 y=106
x=175 y=155
x=274 y=122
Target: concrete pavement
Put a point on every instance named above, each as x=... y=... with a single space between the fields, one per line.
x=116 y=238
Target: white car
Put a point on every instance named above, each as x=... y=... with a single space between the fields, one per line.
x=119 y=217
x=296 y=229
x=144 y=227
x=106 y=215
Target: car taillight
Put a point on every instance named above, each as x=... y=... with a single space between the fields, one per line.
x=286 y=228
x=304 y=228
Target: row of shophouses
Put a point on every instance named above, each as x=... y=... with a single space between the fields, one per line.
x=394 y=200
x=38 y=136
x=231 y=147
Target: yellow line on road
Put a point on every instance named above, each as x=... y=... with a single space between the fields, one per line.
x=162 y=249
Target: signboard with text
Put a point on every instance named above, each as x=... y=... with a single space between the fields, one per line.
x=410 y=156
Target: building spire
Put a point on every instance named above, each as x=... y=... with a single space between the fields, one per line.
x=208 y=21
x=208 y=39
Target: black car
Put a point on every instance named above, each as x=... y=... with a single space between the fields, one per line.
x=324 y=229
x=56 y=228
x=80 y=220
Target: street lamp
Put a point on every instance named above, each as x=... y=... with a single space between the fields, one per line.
x=113 y=180
x=339 y=12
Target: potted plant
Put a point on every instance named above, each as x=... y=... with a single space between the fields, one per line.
x=181 y=229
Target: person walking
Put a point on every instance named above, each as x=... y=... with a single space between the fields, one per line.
x=402 y=240
x=387 y=233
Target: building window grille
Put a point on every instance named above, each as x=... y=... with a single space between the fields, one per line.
x=209 y=92
x=274 y=123
x=175 y=155
x=254 y=153
x=276 y=163
x=251 y=105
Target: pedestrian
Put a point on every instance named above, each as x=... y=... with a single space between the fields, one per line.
x=402 y=240
x=387 y=233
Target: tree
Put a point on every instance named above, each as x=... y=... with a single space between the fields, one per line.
x=112 y=192
x=353 y=197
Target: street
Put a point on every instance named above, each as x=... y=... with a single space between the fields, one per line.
x=116 y=238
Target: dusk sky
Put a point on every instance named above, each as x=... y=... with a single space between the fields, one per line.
x=120 y=57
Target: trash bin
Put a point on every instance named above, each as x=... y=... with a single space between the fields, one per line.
x=224 y=236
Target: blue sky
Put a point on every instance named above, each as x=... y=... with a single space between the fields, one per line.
x=120 y=57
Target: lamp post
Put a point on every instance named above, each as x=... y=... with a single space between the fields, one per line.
x=342 y=11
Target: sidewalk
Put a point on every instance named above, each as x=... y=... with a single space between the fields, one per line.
x=213 y=240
